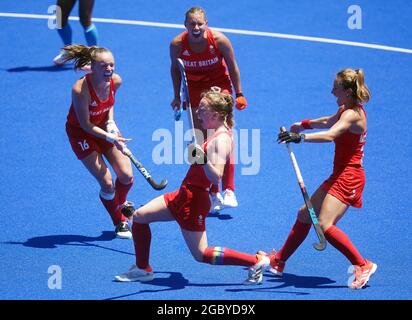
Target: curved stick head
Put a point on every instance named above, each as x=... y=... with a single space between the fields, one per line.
x=320 y=246
x=161 y=185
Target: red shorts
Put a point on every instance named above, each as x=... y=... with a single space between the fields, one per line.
x=347 y=185
x=190 y=206
x=196 y=89
x=84 y=144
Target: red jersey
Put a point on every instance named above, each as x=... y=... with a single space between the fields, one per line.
x=206 y=66
x=196 y=175
x=98 y=110
x=349 y=148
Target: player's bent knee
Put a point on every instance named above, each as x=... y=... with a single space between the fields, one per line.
x=107 y=186
x=126 y=178
x=325 y=225
x=138 y=216
x=303 y=215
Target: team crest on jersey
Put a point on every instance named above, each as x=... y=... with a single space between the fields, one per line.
x=186 y=53
x=212 y=49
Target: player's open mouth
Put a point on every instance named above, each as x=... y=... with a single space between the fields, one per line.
x=108 y=74
x=196 y=34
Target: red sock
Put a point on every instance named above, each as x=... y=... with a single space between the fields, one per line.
x=226 y=256
x=296 y=236
x=341 y=241
x=228 y=179
x=122 y=190
x=142 y=237
x=214 y=188
x=111 y=207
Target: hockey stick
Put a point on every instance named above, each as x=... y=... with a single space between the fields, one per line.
x=184 y=92
x=322 y=241
x=139 y=166
x=184 y=96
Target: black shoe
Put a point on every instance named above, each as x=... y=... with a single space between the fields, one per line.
x=127 y=209
x=123 y=231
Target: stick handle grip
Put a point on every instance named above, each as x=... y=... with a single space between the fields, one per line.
x=294 y=161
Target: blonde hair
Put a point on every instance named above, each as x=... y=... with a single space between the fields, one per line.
x=82 y=55
x=222 y=102
x=354 y=79
x=194 y=10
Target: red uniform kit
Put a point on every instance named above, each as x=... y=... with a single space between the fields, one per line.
x=82 y=142
x=204 y=70
x=348 y=178
x=190 y=204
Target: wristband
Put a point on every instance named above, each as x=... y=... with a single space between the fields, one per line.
x=111 y=137
x=239 y=94
x=302 y=137
x=306 y=124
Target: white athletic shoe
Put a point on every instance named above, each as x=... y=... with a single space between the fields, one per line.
x=255 y=274
x=135 y=274
x=123 y=231
x=217 y=202
x=59 y=59
x=229 y=199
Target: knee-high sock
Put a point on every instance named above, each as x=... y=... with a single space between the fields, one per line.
x=341 y=241
x=91 y=35
x=228 y=179
x=226 y=256
x=142 y=237
x=65 y=34
x=296 y=236
x=122 y=190
x=214 y=188
x=110 y=203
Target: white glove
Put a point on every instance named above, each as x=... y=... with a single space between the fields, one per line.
x=111 y=127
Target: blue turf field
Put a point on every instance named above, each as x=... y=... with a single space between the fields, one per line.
x=51 y=214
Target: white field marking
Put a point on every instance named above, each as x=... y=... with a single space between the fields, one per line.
x=226 y=30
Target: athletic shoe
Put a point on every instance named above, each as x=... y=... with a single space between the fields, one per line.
x=362 y=274
x=136 y=274
x=123 y=231
x=229 y=199
x=59 y=59
x=255 y=275
x=127 y=209
x=216 y=200
x=276 y=265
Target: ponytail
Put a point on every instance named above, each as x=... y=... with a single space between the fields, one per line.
x=362 y=91
x=354 y=79
x=81 y=55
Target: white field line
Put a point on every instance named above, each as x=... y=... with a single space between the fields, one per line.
x=225 y=30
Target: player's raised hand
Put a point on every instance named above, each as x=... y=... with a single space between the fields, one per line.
x=175 y=103
x=241 y=102
x=297 y=127
x=288 y=136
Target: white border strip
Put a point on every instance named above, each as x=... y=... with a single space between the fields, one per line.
x=235 y=31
